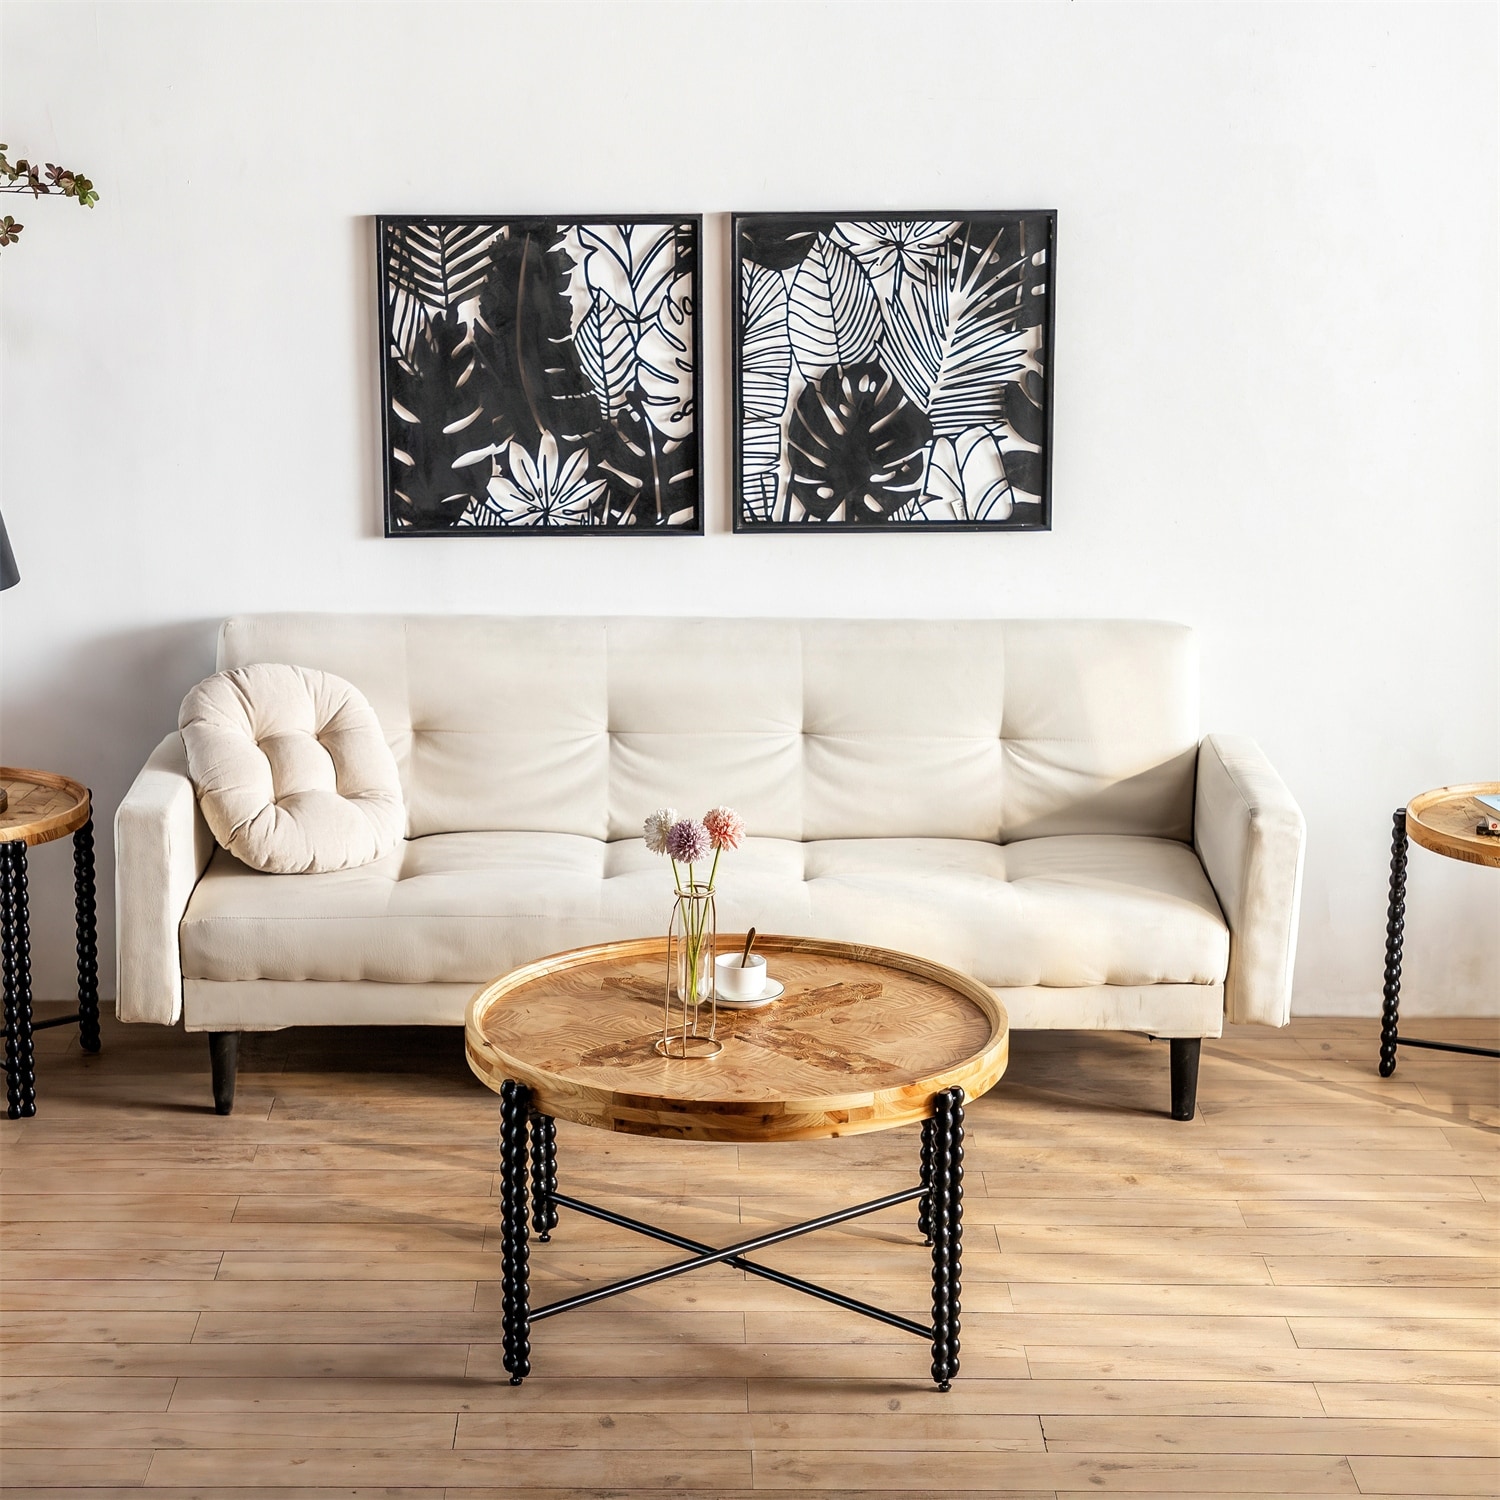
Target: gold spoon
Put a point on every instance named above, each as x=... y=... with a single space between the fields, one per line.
x=745 y=956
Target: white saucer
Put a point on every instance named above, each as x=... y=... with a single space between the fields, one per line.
x=774 y=990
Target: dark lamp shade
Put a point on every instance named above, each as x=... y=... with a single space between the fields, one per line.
x=10 y=574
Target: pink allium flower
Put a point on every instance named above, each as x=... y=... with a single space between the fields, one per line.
x=725 y=827
x=688 y=841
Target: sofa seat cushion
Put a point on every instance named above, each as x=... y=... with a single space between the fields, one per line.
x=465 y=907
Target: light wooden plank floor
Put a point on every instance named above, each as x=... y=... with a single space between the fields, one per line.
x=1298 y=1293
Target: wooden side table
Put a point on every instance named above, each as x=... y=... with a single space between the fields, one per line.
x=1443 y=821
x=41 y=807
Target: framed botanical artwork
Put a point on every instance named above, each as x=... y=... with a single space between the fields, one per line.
x=892 y=371
x=540 y=375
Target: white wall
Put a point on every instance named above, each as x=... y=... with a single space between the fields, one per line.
x=1275 y=357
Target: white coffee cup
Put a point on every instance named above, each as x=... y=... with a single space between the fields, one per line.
x=740 y=982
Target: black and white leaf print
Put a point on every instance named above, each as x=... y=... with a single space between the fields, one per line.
x=1025 y=470
x=833 y=314
x=892 y=370
x=895 y=249
x=432 y=268
x=779 y=244
x=533 y=379
x=857 y=445
x=664 y=362
x=1023 y=408
x=761 y=446
x=606 y=349
x=765 y=344
x=651 y=478
x=954 y=339
x=434 y=477
x=635 y=264
x=541 y=374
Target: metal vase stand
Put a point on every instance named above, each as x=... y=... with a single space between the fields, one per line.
x=692 y=941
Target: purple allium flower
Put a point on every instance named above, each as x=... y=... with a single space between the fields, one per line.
x=688 y=841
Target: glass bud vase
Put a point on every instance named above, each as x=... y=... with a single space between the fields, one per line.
x=690 y=1011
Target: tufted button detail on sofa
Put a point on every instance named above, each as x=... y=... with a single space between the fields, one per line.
x=292 y=770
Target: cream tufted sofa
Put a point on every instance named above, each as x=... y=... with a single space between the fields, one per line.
x=1029 y=801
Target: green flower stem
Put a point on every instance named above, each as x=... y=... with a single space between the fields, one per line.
x=694 y=923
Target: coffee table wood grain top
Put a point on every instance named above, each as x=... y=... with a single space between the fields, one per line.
x=1443 y=821
x=41 y=806
x=862 y=1040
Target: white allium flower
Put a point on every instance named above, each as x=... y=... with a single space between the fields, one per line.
x=657 y=826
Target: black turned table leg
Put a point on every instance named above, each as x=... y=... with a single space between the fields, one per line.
x=15 y=960
x=1395 y=926
x=515 y=1109
x=947 y=1232
x=88 y=941
x=924 y=1203
x=543 y=1176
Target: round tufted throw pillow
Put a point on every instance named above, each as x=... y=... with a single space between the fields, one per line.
x=291 y=769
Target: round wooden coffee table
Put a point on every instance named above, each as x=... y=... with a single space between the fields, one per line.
x=1443 y=821
x=42 y=806
x=863 y=1039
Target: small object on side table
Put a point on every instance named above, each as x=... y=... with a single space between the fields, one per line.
x=1439 y=820
x=40 y=807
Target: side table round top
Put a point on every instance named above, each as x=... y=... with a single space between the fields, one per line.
x=1443 y=821
x=40 y=806
x=862 y=1040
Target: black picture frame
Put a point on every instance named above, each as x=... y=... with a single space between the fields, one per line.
x=566 y=336
x=863 y=307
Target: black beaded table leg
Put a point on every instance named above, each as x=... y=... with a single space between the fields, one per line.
x=947 y=1232
x=8 y=976
x=515 y=1109
x=924 y=1203
x=1395 y=927
x=543 y=1176
x=15 y=958
x=88 y=942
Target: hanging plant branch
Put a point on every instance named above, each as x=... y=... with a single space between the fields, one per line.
x=47 y=180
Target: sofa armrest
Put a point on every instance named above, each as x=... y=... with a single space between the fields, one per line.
x=162 y=846
x=1250 y=836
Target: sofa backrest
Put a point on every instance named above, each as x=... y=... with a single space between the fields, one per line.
x=813 y=729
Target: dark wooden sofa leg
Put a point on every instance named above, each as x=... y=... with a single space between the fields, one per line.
x=1185 y=1053
x=224 y=1053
